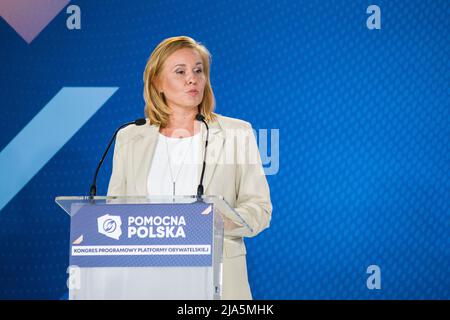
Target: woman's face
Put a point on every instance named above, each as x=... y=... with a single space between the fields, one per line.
x=182 y=79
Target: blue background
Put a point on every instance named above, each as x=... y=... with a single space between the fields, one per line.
x=363 y=115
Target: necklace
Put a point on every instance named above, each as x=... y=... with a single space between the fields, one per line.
x=170 y=163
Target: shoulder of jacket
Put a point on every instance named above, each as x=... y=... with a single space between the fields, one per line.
x=132 y=132
x=232 y=123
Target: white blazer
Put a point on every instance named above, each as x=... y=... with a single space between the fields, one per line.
x=233 y=170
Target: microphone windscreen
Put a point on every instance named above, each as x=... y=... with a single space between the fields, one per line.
x=140 y=122
x=199 y=117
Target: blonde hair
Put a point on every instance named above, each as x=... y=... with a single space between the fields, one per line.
x=156 y=108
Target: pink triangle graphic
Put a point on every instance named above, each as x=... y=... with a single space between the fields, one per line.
x=30 y=17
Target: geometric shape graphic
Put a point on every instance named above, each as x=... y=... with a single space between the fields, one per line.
x=207 y=210
x=29 y=18
x=110 y=226
x=45 y=134
x=78 y=240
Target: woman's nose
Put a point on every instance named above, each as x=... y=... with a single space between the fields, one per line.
x=192 y=78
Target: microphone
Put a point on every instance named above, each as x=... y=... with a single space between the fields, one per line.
x=201 y=118
x=93 y=190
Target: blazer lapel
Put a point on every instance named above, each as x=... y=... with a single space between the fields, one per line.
x=143 y=151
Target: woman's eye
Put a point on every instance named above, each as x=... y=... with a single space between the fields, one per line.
x=183 y=72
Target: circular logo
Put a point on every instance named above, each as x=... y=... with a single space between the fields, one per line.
x=109 y=226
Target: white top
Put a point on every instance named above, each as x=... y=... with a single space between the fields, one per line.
x=183 y=153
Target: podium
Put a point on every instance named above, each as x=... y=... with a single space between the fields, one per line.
x=158 y=247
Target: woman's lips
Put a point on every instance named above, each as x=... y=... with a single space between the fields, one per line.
x=193 y=93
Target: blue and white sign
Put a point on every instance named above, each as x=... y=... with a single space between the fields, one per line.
x=137 y=235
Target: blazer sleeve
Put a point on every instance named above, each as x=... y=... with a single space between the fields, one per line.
x=117 y=182
x=253 y=202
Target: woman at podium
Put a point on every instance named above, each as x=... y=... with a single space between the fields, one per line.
x=165 y=156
